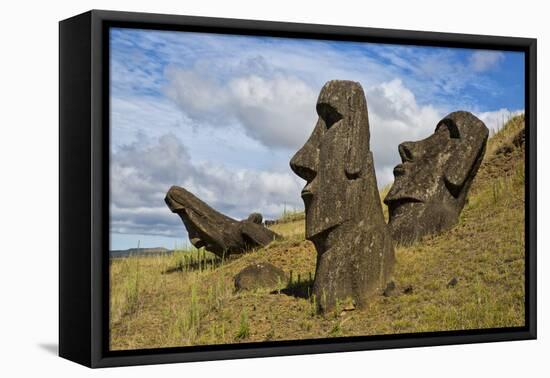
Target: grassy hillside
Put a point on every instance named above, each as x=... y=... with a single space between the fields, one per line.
x=470 y=277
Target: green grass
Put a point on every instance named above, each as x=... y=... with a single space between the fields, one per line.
x=291 y=215
x=244 y=327
x=188 y=298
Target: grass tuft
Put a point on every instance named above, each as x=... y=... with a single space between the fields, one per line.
x=244 y=327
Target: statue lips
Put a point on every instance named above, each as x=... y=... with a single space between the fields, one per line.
x=399 y=170
x=198 y=243
x=307 y=195
x=397 y=199
x=195 y=236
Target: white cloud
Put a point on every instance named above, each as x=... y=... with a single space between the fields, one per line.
x=494 y=120
x=200 y=96
x=271 y=110
x=395 y=116
x=138 y=117
x=222 y=115
x=142 y=119
x=280 y=111
x=142 y=172
x=483 y=60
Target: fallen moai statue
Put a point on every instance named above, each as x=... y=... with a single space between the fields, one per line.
x=215 y=231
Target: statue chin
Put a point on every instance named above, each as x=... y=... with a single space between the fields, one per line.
x=410 y=221
x=316 y=229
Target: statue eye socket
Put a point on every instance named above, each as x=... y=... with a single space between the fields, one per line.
x=328 y=114
x=451 y=126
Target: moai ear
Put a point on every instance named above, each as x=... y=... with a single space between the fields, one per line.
x=471 y=140
x=358 y=136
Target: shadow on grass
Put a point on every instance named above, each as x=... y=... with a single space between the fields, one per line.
x=194 y=266
x=298 y=289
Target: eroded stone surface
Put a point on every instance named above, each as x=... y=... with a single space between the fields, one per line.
x=344 y=216
x=434 y=177
x=213 y=230
x=255 y=218
x=259 y=275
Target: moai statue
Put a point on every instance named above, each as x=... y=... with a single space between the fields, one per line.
x=431 y=184
x=344 y=216
x=214 y=231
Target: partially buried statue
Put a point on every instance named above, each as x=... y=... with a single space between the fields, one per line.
x=344 y=216
x=214 y=231
x=431 y=184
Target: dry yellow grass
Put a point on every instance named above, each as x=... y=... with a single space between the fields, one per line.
x=173 y=301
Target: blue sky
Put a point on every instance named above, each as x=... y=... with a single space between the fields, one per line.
x=221 y=115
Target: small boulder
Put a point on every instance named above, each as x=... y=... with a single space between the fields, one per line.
x=452 y=282
x=350 y=306
x=519 y=138
x=408 y=289
x=390 y=289
x=259 y=275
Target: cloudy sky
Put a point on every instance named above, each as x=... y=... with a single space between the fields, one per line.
x=222 y=115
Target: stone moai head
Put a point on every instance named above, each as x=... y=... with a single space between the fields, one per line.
x=344 y=216
x=213 y=230
x=334 y=157
x=434 y=177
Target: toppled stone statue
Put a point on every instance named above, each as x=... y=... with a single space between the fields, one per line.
x=255 y=218
x=344 y=216
x=214 y=231
x=431 y=184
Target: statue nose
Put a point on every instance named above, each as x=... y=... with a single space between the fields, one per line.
x=303 y=164
x=407 y=151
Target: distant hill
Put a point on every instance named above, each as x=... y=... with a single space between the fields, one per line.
x=140 y=252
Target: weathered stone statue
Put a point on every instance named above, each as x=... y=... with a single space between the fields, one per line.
x=255 y=218
x=431 y=184
x=344 y=216
x=214 y=231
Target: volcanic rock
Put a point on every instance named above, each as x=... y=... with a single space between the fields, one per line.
x=259 y=275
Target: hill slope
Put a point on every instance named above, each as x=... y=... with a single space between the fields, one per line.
x=470 y=277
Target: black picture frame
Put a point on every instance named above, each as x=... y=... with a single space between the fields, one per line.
x=84 y=187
